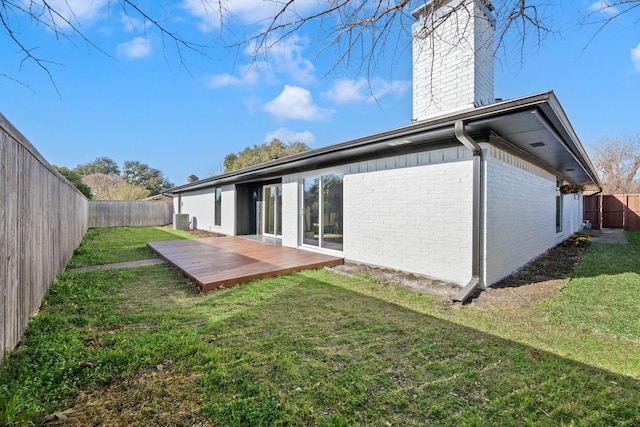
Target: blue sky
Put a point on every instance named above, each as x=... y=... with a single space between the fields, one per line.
x=136 y=99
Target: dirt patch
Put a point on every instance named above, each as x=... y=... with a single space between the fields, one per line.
x=199 y=233
x=542 y=278
x=204 y=233
x=414 y=282
x=159 y=397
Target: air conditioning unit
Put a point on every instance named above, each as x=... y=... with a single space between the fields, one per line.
x=181 y=222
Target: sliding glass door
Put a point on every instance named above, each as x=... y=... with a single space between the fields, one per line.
x=272 y=221
x=322 y=211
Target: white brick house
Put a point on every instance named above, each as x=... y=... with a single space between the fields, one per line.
x=468 y=193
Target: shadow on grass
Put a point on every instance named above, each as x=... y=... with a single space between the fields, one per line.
x=301 y=350
x=316 y=353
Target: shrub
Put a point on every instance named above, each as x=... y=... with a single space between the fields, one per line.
x=583 y=241
x=577 y=240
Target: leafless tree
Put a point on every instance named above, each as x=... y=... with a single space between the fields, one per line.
x=60 y=19
x=361 y=32
x=604 y=12
x=101 y=183
x=617 y=161
x=112 y=187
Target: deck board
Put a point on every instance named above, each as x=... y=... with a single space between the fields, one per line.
x=220 y=262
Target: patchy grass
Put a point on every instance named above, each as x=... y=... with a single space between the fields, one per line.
x=120 y=244
x=143 y=347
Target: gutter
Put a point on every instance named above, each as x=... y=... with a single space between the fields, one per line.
x=431 y=126
x=478 y=175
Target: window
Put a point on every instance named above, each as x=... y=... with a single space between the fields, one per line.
x=322 y=208
x=272 y=210
x=218 y=207
x=558 y=206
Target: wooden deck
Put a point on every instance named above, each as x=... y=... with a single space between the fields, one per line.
x=219 y=262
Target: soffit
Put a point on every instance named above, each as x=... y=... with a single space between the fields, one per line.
x=532 y=133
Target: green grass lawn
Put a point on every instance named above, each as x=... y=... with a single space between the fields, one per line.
x=604 y=293
x=142 y=347
x=120 y=244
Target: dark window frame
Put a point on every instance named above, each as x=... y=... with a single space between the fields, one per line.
x=217 y=211
x=559 y=206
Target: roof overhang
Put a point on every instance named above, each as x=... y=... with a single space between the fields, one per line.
x=536 y=126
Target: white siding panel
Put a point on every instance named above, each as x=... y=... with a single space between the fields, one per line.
x=228 y=223
x=199 y=205
x=572 y=215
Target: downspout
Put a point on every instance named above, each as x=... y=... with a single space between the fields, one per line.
x=599 y=207
x=478 y=173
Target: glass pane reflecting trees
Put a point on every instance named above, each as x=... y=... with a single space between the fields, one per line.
x=322 y=211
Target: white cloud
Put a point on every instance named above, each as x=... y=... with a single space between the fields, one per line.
x=286 y=57
x=602 y=6
x=130 y=23
x=247 y=11
x=287 y=136
x=68 y=11
x=635 y=57
x=348 y=90
x=248 y=75
x=345 y=91
x=206 y=12
x=139 y=47
x=296 y=103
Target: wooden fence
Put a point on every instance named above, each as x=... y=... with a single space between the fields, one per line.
x=42 y=220
x=591 y=210
x=108 y=213
x=613 y=211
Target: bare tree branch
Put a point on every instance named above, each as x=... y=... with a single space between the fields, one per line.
x=609 y=12
x=66 y=26
x=617 y=161
x=361 y=32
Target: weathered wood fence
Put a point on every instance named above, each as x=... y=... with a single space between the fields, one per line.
x=42 y=220
x=108 y=213
x=613 y=211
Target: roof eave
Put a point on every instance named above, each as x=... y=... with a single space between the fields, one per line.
x=434 y=127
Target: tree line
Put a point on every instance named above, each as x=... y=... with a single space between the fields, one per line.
x=617 y=160
x=103 y=179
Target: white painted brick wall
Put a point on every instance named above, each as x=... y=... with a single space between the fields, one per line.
x=453 y=68
x=484 y=49
x=416 y=219
x=520 y=224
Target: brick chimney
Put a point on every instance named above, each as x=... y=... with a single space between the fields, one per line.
x=453 y=55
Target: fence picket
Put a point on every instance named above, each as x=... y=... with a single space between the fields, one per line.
x=32 y=252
